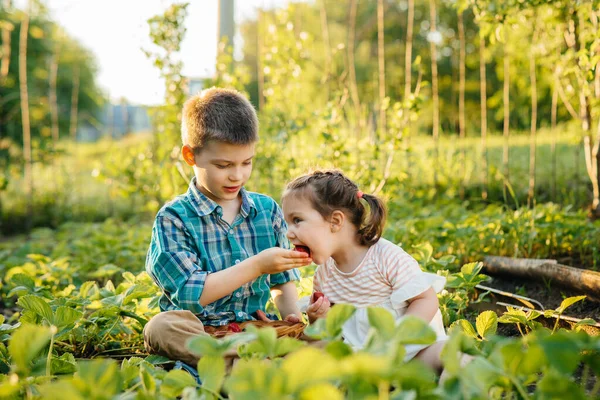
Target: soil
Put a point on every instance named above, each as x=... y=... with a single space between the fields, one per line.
x=549 y=295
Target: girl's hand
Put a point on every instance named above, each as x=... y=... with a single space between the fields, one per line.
x=318 y=309
x=292 y=318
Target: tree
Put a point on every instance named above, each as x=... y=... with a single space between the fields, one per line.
x=23 y=36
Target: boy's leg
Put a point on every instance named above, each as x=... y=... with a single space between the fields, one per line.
x=167 y=333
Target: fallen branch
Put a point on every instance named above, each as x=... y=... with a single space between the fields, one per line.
x=581 y=280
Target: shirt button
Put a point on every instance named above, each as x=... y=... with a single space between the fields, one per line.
x=240 y=314
x=237 y=261
x=231 y=232
x=238 y=294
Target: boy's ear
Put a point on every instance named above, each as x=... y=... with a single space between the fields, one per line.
x=188 y=155
x=337 y=220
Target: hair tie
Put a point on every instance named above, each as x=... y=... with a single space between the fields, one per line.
x=359 y=194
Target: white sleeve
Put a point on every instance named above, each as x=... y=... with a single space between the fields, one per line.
x=408 y=280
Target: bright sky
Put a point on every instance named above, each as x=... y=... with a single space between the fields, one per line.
x=116 y=31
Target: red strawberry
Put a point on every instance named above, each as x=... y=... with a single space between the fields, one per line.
x=233 y=327
x=316 y=296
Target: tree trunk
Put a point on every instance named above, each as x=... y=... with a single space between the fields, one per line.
x=534 y=105
x=358 y=126
x=353 y=6
x=434 y=90
x=326 y=44
x=582 y=280
x=6 y=34
x=553 y=113
x=506 y=105
x=259 y=67
x=461 y=102
x=74 y=104
x=52 y=98
x=24 y=33
x=410 y=20
x=592 y=156
x=483 y=101
x=381 y=64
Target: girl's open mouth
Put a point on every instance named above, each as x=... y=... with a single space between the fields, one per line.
x=302 y=249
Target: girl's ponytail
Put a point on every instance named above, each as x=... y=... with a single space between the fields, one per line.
x=374 y=219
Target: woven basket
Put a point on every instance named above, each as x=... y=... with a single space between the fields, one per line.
x=283 y=328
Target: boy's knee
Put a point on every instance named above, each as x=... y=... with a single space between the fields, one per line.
x=168 y=326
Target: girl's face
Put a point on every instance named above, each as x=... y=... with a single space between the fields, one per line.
x=306 y=227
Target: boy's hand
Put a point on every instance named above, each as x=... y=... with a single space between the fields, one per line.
x=318 y=309
x=292 y=318
x=276 y=259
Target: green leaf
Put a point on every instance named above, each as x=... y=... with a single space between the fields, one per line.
x=321 y=391
x=569 y=301
x=100 y=376
x=211 y=370
x=308 y=366
x=415 y=375
x=487 y=324
x=337 y=317
x=61 y=390
x=562 y=352
x=413 y=330
x=556 y=386
x=66 y=316
x=256 y=379
x=382 y=320
x=206 y=345
x=26 y=343
x=267 y=337
x=368 y=366
x=479 y=376
x=65 y=364
x=148 y=381
x=174 y=382
x=338 y=349
x=157 y=360
x=37 y=305
x=9 y=389
x=465 y=326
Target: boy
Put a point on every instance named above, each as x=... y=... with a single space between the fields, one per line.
x=218 y=250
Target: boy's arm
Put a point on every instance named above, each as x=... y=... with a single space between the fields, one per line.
x=271 y=261
x=176 y=268
x=286 y=297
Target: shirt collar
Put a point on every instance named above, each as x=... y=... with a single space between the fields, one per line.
x=205 y=206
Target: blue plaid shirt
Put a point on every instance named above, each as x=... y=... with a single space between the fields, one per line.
x=190 y=240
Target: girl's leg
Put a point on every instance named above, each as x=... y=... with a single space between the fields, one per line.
x=432 y=356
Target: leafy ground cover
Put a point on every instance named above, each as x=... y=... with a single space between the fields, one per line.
x=75 y=300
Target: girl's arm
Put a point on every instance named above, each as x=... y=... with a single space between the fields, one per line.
x=424 y=305
x=285 y=297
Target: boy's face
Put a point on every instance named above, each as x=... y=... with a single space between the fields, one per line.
x=221 y=169
x=307 y=227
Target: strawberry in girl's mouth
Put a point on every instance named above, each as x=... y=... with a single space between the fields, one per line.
x=302 y=249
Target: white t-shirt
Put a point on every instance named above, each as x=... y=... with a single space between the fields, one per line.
x=387 y=277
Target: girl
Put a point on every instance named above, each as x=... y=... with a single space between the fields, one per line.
x=340 y=227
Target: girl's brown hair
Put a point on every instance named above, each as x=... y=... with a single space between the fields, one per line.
x=330 y=190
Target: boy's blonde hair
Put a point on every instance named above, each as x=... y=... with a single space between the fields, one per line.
x=216 y=114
